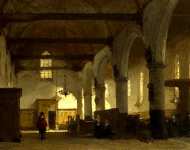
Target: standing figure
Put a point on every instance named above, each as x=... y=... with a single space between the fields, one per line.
x=41 y=125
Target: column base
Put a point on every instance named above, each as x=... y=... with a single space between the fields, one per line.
x=184 y=124
x=88 y=118
x=157 y=124
x=16 y=140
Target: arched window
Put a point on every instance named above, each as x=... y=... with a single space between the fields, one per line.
x=189 y=70
x=46 y=63
x=177 y=76
x=177 y=67
x=141 y=87
x=129 y=87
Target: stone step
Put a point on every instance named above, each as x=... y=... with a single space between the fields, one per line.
x=48 y=133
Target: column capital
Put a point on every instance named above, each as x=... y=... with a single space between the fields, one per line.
x=156 y=65
x=152 y=63
x=87 y=93
x=122 y=79
x=100 y=86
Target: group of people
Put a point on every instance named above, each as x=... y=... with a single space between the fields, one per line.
x=102 y=129
x=177 y=126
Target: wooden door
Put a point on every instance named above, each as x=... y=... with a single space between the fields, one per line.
x=52 y=119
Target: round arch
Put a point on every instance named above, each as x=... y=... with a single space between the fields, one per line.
x=121 y=50
x=156 y=21
x=87 y=76
x=101 y=59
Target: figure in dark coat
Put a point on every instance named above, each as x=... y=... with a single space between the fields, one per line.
x=107 y=129
x=98 y=128
x=41 y=125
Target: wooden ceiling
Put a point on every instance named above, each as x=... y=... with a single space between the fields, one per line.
x=71 y=30
x=180 y=24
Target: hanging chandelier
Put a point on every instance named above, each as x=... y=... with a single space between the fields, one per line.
x=64 y=90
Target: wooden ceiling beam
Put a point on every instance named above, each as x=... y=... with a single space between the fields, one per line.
x=55 y=53
x=54 y=49
x=27 y=17
x=59 y=41
x=24 y=68
x=54 y=57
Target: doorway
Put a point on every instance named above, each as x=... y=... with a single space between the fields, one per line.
x=52 y=119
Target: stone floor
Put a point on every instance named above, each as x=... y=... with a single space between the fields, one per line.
x=53 y=142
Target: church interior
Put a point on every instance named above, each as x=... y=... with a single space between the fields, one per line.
x=125 y=61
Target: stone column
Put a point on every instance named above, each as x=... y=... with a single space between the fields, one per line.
x=79 y=107
x=183 y=106
x=184 y=74
x=121 y=94
x=157 y=100
x=100 y=96
x=88 y=105
x=3 y=59
x=184 y=65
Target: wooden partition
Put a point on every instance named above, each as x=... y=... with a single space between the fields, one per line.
x=121 y=123
x=10 y=114
x=28 y=119
x=62 y=117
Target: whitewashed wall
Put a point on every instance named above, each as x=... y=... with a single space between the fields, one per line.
x=7 y=71
x=35 y=88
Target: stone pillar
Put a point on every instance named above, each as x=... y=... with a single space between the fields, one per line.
x=121 y=94
x=10 y=114
x=100 y=96
x=184 y=74
x=184 y=65
x=183 y=106
x=157 y=100
x=79 y=107
x=87 y=105
x=3 y=59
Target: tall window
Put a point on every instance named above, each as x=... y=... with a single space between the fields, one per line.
x=189 y=70
x=129 y=87
x=141 y=87
x=177 y=67
x=177 y=76
x=46 y=73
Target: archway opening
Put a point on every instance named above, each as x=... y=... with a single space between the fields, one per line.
x=178 y=63
x=138 y=79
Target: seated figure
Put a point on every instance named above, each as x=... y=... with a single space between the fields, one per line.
x=173 y=127
x=188 y=125
x=98 y=128
x=107 y=129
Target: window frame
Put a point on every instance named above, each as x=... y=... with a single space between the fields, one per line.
x=46 y=74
